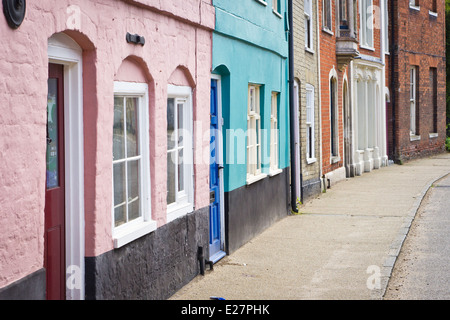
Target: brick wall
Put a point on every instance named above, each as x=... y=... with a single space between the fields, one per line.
x=306 y=72
x=328 y=61
x=419 y=41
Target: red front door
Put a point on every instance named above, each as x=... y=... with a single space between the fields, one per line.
x=54 y=251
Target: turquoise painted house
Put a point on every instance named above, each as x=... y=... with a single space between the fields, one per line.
x=250 y=115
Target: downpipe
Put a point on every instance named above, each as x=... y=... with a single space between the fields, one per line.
x=292 y=115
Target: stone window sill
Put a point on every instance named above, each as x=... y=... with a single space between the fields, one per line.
x=274 y=172
x=133 y=232
x=253 y=179
x=275 y=12
x=309 y=50
x=335 y=159
x=326 y=30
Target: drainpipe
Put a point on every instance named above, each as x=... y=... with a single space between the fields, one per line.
x=393 y=52
x=384 y=32
x=291 y=114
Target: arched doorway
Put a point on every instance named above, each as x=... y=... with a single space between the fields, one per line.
x=64 y=205
x=347 y=130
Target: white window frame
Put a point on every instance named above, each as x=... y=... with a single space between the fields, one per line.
x=367 y=25
x=310 y=125
x=327 y=4
x=274 y=136
x=434 y=103
x=433 y=12
x=413 y=103
x=275 y=4
x=413 y=4
x=264 y=3
x=309 y=21
x=136 y=228
x=276 y=8
x=386 y=27
x=184 y=200
x=254 y=134
x=334 y=127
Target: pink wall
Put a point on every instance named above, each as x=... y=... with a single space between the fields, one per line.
x=178 y=38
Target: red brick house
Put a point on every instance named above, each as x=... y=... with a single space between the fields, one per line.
x=353 y=87
x=331 y=75
x=416 y=114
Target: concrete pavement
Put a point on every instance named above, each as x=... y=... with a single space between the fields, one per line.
x=343 y=245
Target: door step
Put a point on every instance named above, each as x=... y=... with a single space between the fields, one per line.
x=217 y=256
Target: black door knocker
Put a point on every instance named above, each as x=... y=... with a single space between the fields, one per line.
x=14 y=11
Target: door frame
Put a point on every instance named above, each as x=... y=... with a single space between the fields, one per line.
x=219 y=155
x=64 y=50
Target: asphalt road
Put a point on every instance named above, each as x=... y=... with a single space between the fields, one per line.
x=422 y=270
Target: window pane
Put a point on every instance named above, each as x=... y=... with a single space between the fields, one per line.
x=412 y=118
x=369 y=23
x=257 y=131
x=308 y=32
x=249 y=132
x=133 y=179
x=274 y=106
x=258 y=162
x=52 y=134
x=171 y=176
x=170 y=123
x=308 y=142
x=257 y=134
x=118 y=133
x=132 y=127
x=272 y=144
x=119 y=183
x=343 y=14
x=252 y=99
x=327 y=14
x=119 y=215
x=180 y=119
x=180 y=170
x=133 y=209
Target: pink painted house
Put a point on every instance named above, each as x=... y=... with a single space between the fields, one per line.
x=104 y=126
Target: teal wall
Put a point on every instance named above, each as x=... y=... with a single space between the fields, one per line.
x=250 y=45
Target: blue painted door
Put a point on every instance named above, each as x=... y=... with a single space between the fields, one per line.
x=215 y=231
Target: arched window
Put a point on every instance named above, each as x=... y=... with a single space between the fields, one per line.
x=180 y=168
x=333 y=118
x=131 y=154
